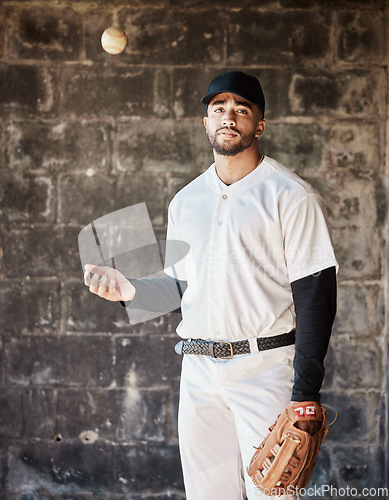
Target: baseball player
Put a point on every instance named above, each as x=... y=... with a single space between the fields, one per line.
x=259 y=294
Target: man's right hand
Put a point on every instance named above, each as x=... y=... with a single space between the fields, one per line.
x=108 y=283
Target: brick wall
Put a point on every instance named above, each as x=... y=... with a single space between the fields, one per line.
x=87 y=402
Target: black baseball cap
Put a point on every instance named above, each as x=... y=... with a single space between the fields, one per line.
x=239 y=83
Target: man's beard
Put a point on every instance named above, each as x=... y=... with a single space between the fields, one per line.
x=225 y=148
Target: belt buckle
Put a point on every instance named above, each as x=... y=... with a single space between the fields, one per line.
x=231 y=350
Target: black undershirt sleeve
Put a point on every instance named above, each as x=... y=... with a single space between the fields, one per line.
x=315 y=305
x=157 y=294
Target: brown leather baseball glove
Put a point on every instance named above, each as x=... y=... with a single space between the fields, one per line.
x=284 y=461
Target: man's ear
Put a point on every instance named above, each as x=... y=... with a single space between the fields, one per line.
x=205 y=121
x=260 y=128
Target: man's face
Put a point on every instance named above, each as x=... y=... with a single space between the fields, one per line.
x=232 y=124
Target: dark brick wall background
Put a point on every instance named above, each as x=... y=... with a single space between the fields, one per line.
x=87 y=402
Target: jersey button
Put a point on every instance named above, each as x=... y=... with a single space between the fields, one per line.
x=224 y=196
x=219 y=223
x=218 y=335
x=216 y=296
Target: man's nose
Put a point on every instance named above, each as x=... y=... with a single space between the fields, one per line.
x=228 y=119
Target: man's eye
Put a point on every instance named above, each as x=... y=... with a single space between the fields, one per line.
x=242 y=111
x=218 y=110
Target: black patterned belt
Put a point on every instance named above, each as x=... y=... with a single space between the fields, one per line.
x=226 y=350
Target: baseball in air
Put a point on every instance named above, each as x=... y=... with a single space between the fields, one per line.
x=113 y=40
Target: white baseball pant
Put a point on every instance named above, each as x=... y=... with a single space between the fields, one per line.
x=226 y=408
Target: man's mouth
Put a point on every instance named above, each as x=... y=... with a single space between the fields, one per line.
x=226 y=132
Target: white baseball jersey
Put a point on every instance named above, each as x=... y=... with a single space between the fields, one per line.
x=248 y=242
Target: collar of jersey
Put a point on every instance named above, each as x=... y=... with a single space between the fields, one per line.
x=217 y=185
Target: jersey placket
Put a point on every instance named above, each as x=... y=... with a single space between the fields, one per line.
x=217 y=270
